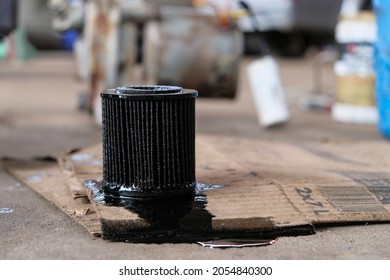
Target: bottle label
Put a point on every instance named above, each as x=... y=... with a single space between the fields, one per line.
x=357 y=58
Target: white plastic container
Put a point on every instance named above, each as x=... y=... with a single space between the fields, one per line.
x=267 y=91
x=355 y=85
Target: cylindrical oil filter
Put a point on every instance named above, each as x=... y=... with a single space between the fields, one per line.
x=148 y=141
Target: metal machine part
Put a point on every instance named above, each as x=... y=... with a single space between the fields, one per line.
x=148 y=141
x=192 y=49
x=185 y=48
x=106 y=50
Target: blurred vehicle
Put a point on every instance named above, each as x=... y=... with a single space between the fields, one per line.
x=290 y=26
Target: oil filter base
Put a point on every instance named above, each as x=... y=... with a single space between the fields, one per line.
x=148 y=141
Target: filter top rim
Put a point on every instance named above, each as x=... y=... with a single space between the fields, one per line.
x=148 y=92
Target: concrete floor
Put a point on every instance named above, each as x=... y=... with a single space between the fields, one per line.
x=38 y=117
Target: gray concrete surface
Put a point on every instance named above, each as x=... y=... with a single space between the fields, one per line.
x=38 y=117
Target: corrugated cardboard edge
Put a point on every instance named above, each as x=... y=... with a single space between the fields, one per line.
x=67 y=171
x=45 y=178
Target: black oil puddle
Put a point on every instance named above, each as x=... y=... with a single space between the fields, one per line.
x=174 y=219
x=179 y=219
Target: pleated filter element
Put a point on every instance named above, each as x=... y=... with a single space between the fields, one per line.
x=148 y=141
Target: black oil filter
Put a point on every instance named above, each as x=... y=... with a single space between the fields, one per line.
x=148 y=141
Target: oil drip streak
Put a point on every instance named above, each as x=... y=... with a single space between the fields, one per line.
x=148 y=141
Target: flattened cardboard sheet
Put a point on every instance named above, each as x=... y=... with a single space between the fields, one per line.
x=268 y=188
x=327 y=182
